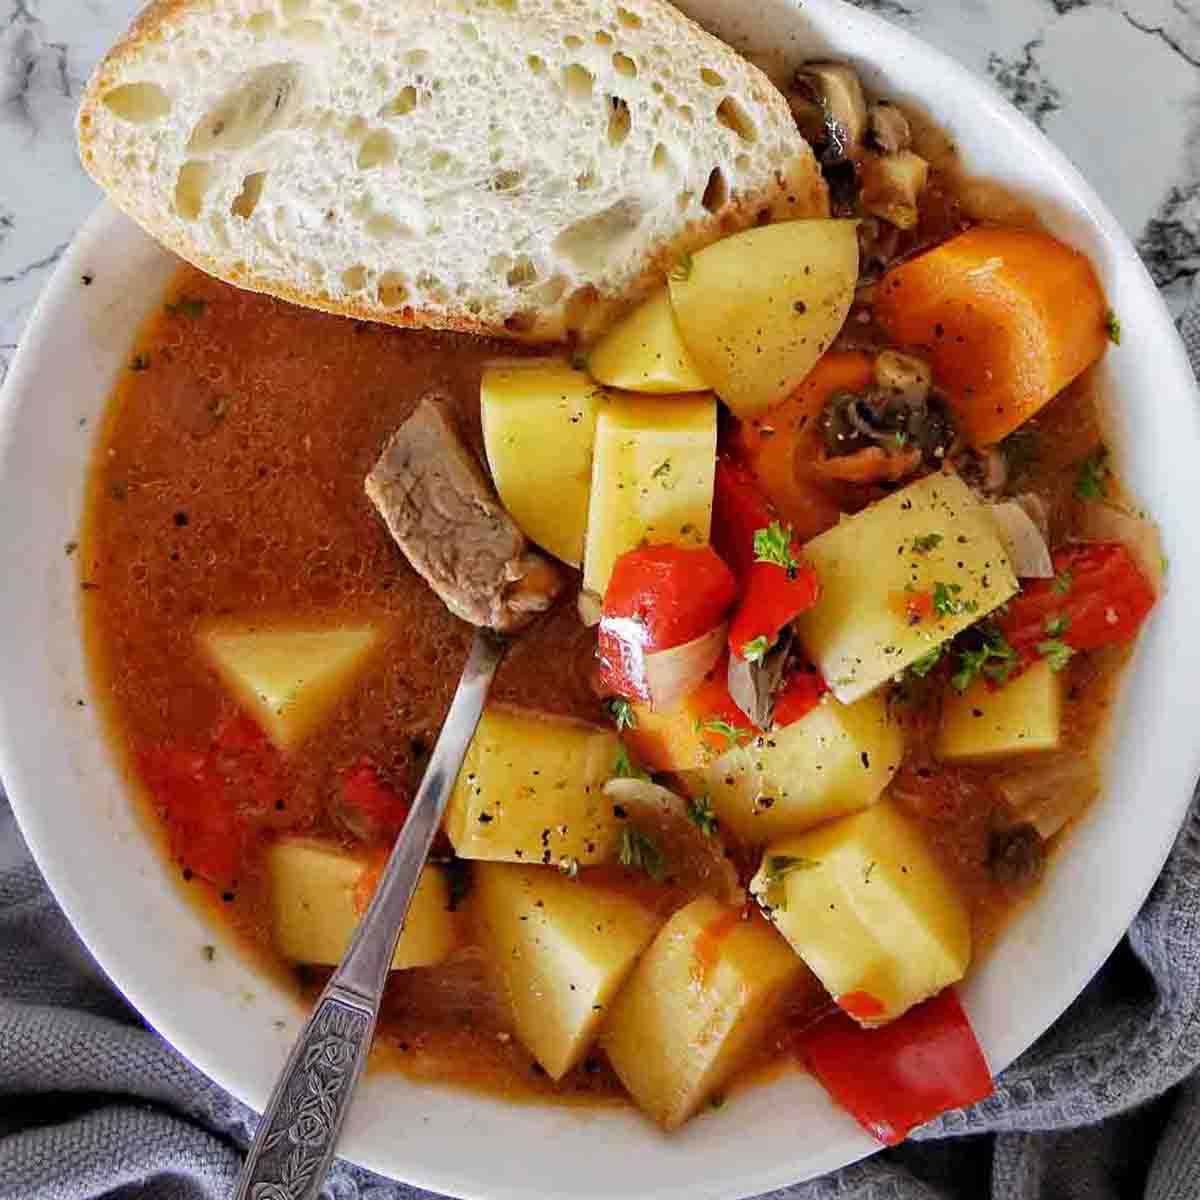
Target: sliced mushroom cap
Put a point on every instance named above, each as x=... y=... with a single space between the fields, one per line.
x=892 y=185
x=837 y=89
x=888 y=129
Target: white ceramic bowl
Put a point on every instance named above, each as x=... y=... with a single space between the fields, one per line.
x=223 y=1015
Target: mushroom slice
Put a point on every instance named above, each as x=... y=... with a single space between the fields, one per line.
x=888 y=130
x=837 y=89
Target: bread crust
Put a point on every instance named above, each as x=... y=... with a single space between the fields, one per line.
x=798 y=192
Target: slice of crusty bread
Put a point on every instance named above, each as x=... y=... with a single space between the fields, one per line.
x=527 y=166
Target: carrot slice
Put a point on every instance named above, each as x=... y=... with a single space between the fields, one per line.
x=1006 y=317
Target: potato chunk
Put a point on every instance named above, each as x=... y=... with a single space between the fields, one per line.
x=867 y=906
x=563 y=949
x=833 y=761
x=288 y=680
x=644 y=352
x=898 y=580
x=758 y=309
x=312 y=888
x=1022 y=716
x=531 y=790
x=652 y=479
x=539 y=428
x=702 y=996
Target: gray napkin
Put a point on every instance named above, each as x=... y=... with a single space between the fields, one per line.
x=1106 y=1106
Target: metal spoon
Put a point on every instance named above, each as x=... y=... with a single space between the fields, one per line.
x=297 y=1136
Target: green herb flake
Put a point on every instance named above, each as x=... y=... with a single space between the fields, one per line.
x=780 y=866
x=756 y=650
x=1112 y=326
x=774 y=545
x=1057 y=625
x=995 y=659
x=867 y=870
x=946 y=602
x=1063 y=582
x=662 y=470
x=723 y=729
x=187 y=306
x=622 y=713
x=625 y=768
x=1056 y=652
x=926 y=542
x=1092 y=481
x=639 y=852
x=927 y=662
x=700 y=813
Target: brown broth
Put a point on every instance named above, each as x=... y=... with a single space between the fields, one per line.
x=228 y=480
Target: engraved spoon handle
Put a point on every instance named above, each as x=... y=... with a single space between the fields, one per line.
x=297 y=1136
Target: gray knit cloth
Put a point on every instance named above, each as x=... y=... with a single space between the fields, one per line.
x=1105 y=1107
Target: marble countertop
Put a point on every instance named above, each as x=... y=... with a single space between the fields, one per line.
x=1116 y=83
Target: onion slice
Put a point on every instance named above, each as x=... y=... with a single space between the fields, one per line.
x=660 y=677
x=1047 y=795
x=1027 y=549
x=694 y=860
x=1107 y=523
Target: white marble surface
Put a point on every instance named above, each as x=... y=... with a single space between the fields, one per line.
x=1116 y=83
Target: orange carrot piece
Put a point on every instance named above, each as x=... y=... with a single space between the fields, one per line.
x=1006 y=317
x=783 y=447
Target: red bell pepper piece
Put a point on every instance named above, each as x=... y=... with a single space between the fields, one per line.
x=739 y=510
x=775 y=591
x=801 y=693
x=659 y=597
x=1098 y=597
x=897 y=1077
x=368 y=807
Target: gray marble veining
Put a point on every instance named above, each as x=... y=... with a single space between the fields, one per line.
x=1115 y=83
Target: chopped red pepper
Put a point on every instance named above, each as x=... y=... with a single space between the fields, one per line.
x=801 y=693
x=897 y=1077
x=739 y=510
x=659 y=597
x=773 y=594
x=862 y=1006
x=1098 y=597
x=368 y=807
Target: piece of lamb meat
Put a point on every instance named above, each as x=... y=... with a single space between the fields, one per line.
x=445 y=516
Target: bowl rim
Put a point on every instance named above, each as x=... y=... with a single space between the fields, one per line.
x=448 y=1178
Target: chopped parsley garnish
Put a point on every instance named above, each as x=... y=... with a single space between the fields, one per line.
x=995 y=659
x=867 y=871
x=926 y=542
x=624 y=767
x=569 y=867
x=1064 y=581
x=946 y=602
x=1092 y=480
x=639 y=852
x=187 y=306
x=1112 y=326
x=663 y=468
x=700 y=813
x=723 y=729
x=900 y=439
x=681 y=272
x=622 y=713
x=780 y=866
x=774 y=545
x=927 y=662
x=756 y=650
x=1057 y=625
x=1056 y=652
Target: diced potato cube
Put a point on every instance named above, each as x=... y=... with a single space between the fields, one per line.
x=758 y=309
x=563 y=949
x=892 y=185
x=539 y=428
x=699 y=1000
x=652 y=479
x=833 y=761
x=868 y=907
x=288 y=680
x=644 y=352
x=667 y=740
x=532 y=790
x=312 y=888
x=1022 y=716
x=899 y=579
